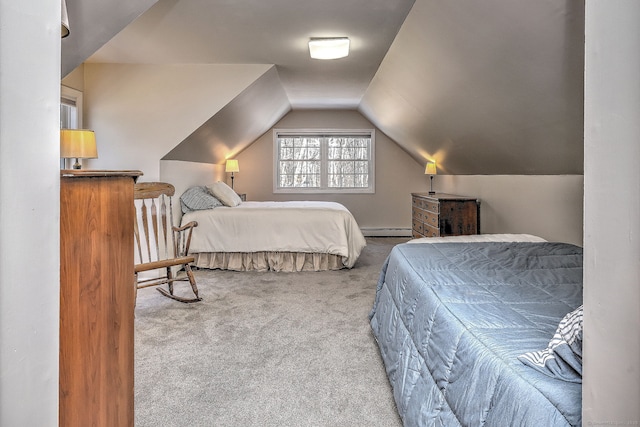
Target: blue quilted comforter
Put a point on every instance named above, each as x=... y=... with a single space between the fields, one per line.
x=451 y=320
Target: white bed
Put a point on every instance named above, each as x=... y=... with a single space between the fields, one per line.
x=278 y=236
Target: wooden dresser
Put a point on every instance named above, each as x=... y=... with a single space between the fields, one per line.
x=439 y=214
x=96 y=298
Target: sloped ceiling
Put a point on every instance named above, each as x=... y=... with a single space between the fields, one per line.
x=239 y=123
x=482 y=87
x=93 y=23
x=490 y=87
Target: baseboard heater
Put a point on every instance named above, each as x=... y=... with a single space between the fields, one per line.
x=385 y=232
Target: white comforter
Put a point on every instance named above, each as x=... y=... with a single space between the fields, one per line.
x=308 y=226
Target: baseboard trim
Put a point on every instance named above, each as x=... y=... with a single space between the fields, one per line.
x=386 y=232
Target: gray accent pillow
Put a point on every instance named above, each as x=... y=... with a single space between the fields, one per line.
x=198 y=198
x=562 y=359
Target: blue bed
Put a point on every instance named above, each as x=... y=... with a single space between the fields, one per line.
x=451 y=320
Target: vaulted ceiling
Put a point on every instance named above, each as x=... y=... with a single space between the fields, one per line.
x=491 y=87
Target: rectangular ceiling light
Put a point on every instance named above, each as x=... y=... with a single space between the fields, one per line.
x=329 y=48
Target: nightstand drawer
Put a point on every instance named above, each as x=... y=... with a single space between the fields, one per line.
x=431 y=219
x=417 y=214
x=419 y=203
x=429 y=231
x=417 y=226
x=431 y=206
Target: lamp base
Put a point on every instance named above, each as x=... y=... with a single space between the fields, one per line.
x=431 y=186
x=77 y=164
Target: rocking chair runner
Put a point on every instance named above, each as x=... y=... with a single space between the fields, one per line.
x=160 y=244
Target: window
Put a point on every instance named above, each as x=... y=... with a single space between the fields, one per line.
x=70 y=112
x=324 y=161
x=70 y=108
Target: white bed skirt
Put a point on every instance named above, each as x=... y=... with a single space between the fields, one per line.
x=269 y=261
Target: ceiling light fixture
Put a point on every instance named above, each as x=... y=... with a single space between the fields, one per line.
x=329 y=47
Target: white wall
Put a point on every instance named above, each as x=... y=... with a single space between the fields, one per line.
x=549 y=206
x=183 y=175
x=29 y=211
x=141 y=112
x=611 y=389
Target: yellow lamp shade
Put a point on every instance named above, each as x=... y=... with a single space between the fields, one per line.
x=78 y=144
x=232 y=166
x=430 y=169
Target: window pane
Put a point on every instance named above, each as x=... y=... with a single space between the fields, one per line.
x=286 y=153
x=361 y=181
x=68 y=116
x=286 y=168
x=286 y=180
x=361 y=167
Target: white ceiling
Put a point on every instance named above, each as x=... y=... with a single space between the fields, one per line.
x=268 y=32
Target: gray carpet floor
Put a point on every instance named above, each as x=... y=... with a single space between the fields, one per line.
x=265 y=349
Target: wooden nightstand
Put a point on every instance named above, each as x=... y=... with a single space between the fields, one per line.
x=439 y=214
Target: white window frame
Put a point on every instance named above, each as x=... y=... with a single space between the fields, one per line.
x=324 y=189
x=75 y=97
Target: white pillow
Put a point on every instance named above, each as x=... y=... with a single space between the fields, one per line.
x=224 y=193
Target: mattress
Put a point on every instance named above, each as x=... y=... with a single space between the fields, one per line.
x=451 y=320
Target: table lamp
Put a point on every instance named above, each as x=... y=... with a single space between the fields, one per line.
x=78 y=144
x=431 y=170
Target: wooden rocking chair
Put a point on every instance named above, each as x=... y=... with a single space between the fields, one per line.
x=160 y=244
